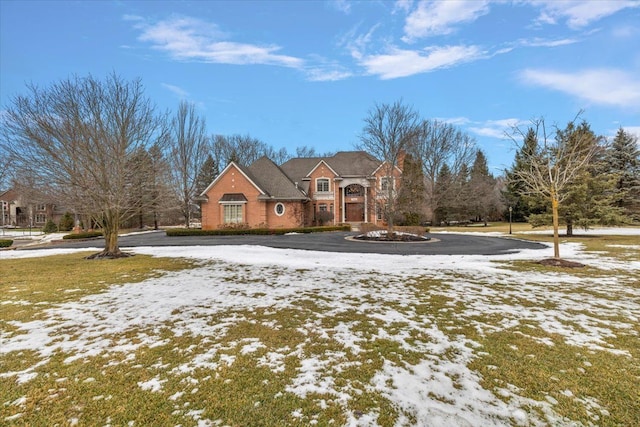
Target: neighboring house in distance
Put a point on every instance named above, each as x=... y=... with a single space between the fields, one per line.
x=342 y=188
x=16 y=211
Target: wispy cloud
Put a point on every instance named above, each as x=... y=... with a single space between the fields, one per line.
x=441 y=17
x=579 y=13
x=343 y=6
x=191 y=39
x=632 y=130
x=327 y=74
x=402 y=63
x=495 y=128
x=599 y=86
x=541 y=42
x=176 y=90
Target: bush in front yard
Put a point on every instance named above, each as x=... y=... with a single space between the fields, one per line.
x=5 y=243
x=172 y=232
x=66 y=222
x=50 y=227
x=85 y=235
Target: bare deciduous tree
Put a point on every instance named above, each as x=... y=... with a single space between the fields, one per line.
x=553 y=167
x=441 y=143
x=5 y=168
x=389 y=131
x=76 y=137
x=245 y=149
x=189 y=147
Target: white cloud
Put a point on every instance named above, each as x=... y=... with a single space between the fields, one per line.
x=402 y=6
x=439 y=17
x=579 y=13
x=599 y=86
x=343 y=6
x=327 y=73
x=625 y=31
x=176 y=90
x=191 y=39
x=495 y=128
x=540 y=42
x=457 y=121
x=633 y=130
x=402 y=63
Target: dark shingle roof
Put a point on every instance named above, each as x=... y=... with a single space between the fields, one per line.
x=344 y=163
x=353 y=163
x=233 y=197
x=272 y=180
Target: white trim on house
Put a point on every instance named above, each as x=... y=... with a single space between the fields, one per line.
x=316 y=167
x=224 y=171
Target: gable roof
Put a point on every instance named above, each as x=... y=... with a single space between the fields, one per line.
x=224 y=171
x=290 y=181
x=274 y=182
x=354 y=163
x=343 y=163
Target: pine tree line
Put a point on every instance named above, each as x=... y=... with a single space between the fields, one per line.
x=604 y=189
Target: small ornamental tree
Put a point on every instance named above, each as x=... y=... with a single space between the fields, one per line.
x=554 y=167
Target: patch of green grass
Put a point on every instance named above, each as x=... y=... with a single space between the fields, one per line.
x=30 y=284
x=569 y=375
x=248 y=371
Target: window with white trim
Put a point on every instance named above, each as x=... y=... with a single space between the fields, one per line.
x=322 y=207
x=232 y=213
x=322 y=184
x=385 y=182
x=41 y=218
x=279 y=209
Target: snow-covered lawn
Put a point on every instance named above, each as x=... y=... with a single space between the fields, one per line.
x=337 y=339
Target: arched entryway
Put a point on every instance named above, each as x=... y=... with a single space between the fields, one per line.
x=354 y=203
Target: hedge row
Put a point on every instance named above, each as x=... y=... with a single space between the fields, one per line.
x=173 y=232
x=5 y=243
x=85 y=235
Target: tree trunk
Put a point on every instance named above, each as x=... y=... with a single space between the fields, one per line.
x=111 y=249
x=556 y=239
x=569 y=228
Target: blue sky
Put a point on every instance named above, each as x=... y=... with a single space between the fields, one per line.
x=295 y=73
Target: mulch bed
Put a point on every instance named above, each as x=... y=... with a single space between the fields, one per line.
x=559 y=262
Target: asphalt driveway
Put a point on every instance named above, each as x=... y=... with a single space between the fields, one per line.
x=441 y=244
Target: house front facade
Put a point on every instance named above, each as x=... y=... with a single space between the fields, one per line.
x=15 y=210
x=348 y=187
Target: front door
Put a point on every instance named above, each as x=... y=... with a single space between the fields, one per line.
x=354 y=212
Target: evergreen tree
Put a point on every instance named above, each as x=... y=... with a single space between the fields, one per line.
x=623 y=160
x=137 y=179
x=66 y=222
x=442 y=191
x=588 y=198
x=515 y=196
x=461 y=194
x=208 y=172
x=411 y=196
x=481 y=184
x=159 y=185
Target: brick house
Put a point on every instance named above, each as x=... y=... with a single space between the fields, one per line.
x=17 y=210
x=344 y=188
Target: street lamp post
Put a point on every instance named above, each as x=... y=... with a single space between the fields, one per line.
x=510 y=210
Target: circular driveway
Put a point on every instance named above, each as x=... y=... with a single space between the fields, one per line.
x=442 y=244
